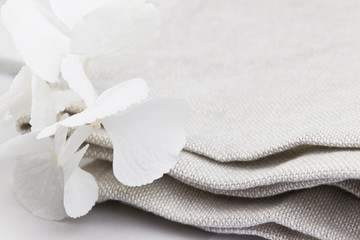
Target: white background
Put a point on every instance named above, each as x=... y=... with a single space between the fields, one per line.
x=111 y=220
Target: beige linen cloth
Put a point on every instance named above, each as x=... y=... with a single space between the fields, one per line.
x=273 y=146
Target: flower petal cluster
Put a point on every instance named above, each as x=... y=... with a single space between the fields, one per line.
x=67 y=46
x=147 y=138
x=48 y=179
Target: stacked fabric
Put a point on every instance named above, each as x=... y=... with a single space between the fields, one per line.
x=273 y=143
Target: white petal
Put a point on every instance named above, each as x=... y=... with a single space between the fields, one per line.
x=17 y=101
x=64 y=99
x=87 y=116
x=36 y=36
x=24 y=145
x=60 y=138
x=72 y=162
x=147 y=140
x=73 y=143
x=71 y=11
x=81 y=193
x=47 y=103
x=129 y=28
x=39 y=185
x=43 y=112
x=121 y=97
x=72 y=70
x=48 y=131
x=110 y=102
x=77 y=138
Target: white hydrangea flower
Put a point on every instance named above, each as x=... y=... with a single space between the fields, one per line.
x=71 y=37
x=30 y=95
x=147 y=138
x=48 y=179
x=67 y=40
x=48 y=100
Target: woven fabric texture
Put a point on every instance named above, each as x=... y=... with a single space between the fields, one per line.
x=298 y=215
x=298 y=168
x=293 y=169
x=261 y=77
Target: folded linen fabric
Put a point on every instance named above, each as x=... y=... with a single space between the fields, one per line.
x=323 y=212
x=299 y=168
x=261 y=77
x=275 y=94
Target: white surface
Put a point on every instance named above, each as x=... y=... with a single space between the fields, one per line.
x=111 y=220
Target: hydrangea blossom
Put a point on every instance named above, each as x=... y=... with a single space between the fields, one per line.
x=62 y=39
x=30 y=95
x=67 y=46
x=73 y=37
x=147 y=138
x=48 y=179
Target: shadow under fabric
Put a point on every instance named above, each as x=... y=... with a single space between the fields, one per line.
x=273 y=147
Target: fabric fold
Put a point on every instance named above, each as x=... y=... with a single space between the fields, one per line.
x=294 y=169
x=303 y=214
